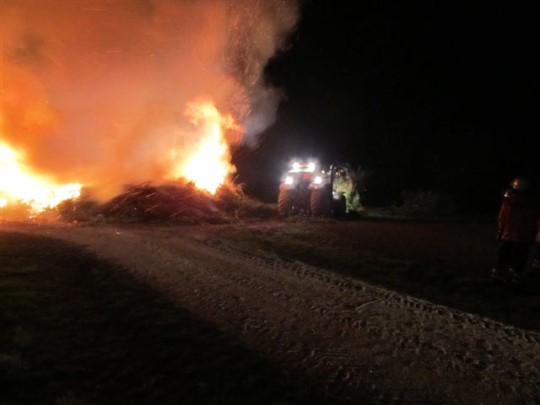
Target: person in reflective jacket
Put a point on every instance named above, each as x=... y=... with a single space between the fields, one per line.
x=517 y=229
x=536 y=256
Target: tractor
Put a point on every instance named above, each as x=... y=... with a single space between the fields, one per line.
x=307 y=189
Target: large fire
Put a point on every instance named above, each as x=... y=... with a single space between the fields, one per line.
x=20 y=185
x=208 y=165
x=98 y=89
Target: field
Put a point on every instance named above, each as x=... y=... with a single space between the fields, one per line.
x=268 y=312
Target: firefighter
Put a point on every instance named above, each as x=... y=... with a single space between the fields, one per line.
x=517 y=229
x=536 y=256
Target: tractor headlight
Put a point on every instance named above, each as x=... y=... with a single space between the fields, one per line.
x=317 y=180
x=311 y=167
x=289 y=180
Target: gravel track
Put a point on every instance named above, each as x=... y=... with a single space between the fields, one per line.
x=358 y=343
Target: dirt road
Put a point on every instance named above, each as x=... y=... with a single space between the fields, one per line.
x=356 y=342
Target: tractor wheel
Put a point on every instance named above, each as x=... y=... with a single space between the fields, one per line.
x=339 y=206
x=285 y=202
x=320 y=201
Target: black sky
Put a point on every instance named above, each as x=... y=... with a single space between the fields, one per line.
x=429 y=95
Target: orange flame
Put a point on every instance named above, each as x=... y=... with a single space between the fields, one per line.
x=19 y=185
x=208 y=166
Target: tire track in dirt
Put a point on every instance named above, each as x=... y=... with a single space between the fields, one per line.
x=467 y=350
x=356 y=341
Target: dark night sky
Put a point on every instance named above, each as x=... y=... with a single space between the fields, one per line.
x=438 y=96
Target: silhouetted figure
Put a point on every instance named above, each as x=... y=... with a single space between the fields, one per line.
x=536 y=255
x=518 y=226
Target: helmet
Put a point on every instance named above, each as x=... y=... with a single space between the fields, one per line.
x=520 y=184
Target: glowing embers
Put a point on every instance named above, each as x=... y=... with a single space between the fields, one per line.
x=20 y=185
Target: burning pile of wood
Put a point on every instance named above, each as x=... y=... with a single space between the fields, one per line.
x=174 y=202
x=179 y=202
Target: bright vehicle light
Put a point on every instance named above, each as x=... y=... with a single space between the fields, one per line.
x=311 y=167
x=296 y=166
x=289 y=180
x=317 y=180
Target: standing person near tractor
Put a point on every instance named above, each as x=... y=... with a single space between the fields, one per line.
x=517 y=229
x=536 y=255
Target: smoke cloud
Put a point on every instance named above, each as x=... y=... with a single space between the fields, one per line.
x=95 y=91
